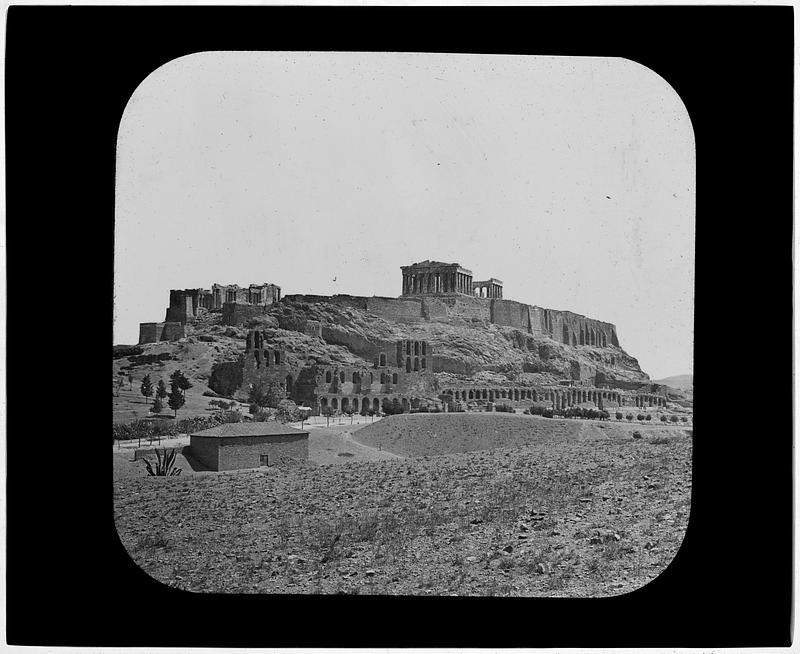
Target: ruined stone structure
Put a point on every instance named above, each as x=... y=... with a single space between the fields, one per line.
x=155 y=332
x=557 y=396
x=257 y=294
x=435 y=277
x=401 y=375
x=184 y=305
x=491 y=288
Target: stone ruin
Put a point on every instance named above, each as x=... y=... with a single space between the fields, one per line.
x=185 y=305
x=403 y=373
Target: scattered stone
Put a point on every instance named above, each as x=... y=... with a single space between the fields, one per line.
x=508 y=548
x=542 y=568
x=369 y=573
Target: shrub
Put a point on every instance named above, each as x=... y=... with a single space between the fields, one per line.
x=673 y=419
x=226 y=377
x=122 y=351
x=629 y=417
x=648 y=417
x=684 y=419
x=618 y=415
x=640 y=416
x=165 y=466
x=210 y=394
x=664 y=418
x=637 y=434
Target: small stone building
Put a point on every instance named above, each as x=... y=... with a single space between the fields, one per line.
x=238 y=445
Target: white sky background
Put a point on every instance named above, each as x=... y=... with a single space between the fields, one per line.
x=571 y=179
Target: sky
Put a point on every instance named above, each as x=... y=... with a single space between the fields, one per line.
x=571 y=179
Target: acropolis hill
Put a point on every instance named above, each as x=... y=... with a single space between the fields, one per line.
x=445 y=336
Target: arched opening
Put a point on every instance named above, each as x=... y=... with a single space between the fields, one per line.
x=396 y=404
x=565 y=334
x=471 y=395
x=582 y=337
x=289 y=385
x=328 y=377
x=277 y=358
x=334 y=404
x=424 y=348
x=408 y=364
x=345 y=404
x=341 y=376
x=408 y=347
x=416 y=348
x=485 y=394
x=376 y=405
x=416 y=363
x=405 y=405
x=383 y=378
x=356 y=378
x=364 y=406
x=323 y=403
x=394 y=377
x=382 y=360
x=423 y=363
x=266 y=358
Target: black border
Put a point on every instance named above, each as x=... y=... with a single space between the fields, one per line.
x=69 y=74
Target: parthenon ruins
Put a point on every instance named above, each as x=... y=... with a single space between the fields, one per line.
x=437 y=278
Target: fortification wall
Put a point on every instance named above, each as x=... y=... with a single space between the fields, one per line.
x=434 y=309
x=509 y=313
x=405 y=311
x=236 y=314
x=154 y=332
x=467 y=309
x=572 y=328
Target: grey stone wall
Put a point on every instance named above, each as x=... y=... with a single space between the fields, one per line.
x=246 y=451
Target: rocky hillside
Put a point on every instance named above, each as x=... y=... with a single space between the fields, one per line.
x=326 y=333
x=462 y=349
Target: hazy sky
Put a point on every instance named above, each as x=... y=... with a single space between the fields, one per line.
x=571 y=179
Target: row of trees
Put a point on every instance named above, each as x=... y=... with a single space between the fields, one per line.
x=178 y=385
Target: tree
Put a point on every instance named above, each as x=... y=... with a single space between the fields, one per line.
x=673 y=418
x=158 y=405
x=176 y=397
x=161 y=391
x=130 y=381
x=146 y=388
x=180 y=379
x=118 y=384
x=326 y=411
x=269 y=395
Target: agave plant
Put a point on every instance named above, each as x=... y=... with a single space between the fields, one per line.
x=165 y=467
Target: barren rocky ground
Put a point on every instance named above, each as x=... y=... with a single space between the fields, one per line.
x=555 y=508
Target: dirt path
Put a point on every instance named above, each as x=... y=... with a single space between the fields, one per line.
x=348 y=438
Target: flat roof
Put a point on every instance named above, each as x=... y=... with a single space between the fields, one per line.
x=234 y=429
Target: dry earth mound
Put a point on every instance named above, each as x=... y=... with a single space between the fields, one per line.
x=426 y=434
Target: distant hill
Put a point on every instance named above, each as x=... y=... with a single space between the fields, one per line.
x=681 y=382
